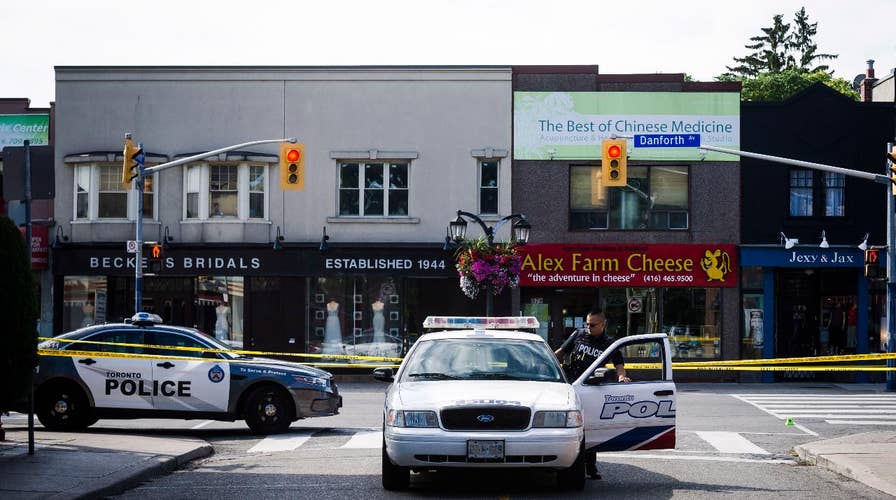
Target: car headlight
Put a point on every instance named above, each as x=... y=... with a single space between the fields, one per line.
x=400 y=418
x=571 y=418
x=323 y=382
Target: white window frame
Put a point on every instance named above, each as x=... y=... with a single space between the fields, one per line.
x=480 y=187
x=387 y=165
x=242 y=191
x=93 y=195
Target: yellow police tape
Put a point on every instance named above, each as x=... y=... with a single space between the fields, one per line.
x=723 y=365
x=231 y=351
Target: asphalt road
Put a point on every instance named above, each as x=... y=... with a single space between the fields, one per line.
x=732 y=441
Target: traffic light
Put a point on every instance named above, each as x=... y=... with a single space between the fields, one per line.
x=872 y=263
x=292 y=166
x=154 y=254
x=891 y=156
x=614 y=158
x=133 y=160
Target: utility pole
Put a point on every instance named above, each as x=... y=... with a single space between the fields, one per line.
x=137 y=156
x=891 y=232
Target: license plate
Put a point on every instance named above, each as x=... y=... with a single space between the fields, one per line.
x=485 y=449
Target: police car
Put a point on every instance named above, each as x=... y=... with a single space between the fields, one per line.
x=142 y=375
x=483 y=394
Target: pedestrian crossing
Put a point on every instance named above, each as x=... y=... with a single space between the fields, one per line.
x=835 y=409
x=365 y=439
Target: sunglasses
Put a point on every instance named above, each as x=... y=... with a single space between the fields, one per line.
x=595 y=324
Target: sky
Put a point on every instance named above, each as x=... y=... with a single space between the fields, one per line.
x=696 y=37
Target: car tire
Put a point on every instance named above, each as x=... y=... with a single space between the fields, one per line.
x=63 y=407
x=573 y=477
x=269 y=410
x=395 y=478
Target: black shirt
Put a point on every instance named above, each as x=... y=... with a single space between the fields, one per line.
x=581 y=349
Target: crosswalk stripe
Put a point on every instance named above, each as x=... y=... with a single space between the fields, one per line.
x=864 y=422
x=365 y=440
x=843 y=411
x=833 y=415
x=730 y=442
x=281 y=442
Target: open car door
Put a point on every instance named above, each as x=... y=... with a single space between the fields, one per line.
x=636 y=415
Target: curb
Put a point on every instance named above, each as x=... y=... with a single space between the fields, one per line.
x=847 y=465
x=122 y=480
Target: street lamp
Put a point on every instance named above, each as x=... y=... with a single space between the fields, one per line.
x=457 y=232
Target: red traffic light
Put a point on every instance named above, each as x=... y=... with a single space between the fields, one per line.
x=614 y=151
x=292 y=155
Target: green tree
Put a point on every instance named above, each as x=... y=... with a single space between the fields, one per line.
x=804 y=46
x=771 y=51
x=783 y=85
x=18 y=308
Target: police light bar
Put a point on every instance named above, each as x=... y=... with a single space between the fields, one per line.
x=481 y=322
x=146 y=319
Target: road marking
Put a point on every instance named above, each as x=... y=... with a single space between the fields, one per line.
x=864 y=422
x=365 y=440
x=203 y=424
x=606 y=455
x=731 y=442
x=281 y=442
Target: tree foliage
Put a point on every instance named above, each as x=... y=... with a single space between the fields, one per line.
x=783 y=62
x=783 y=85
x=18 y=308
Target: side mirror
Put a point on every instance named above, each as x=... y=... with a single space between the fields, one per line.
x=601 y=376
x=384 y=374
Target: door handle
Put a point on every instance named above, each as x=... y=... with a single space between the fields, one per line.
x=667 y=392
x=87 y=361
x=166 y=364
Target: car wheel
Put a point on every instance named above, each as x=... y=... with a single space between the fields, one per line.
x=269 y=410
x=395 y=478
x=573 y=477
x=63 y=407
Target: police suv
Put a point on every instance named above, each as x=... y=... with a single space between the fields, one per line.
x=144 y=369
x=478 y=395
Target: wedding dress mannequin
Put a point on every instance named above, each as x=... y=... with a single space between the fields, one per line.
x=222 y=322
x=333 y=331
x=379 y=333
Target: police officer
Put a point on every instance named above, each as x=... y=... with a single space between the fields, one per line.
x=579 y=351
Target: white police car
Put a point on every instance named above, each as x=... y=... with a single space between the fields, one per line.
x=130 y=370
x=475 y=395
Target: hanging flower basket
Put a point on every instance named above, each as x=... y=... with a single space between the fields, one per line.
x=487 y=267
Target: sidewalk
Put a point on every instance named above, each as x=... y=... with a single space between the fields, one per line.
x=85 y=465
x=868 y=458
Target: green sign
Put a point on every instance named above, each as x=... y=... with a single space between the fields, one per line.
x=15 y=129
x=571 y=125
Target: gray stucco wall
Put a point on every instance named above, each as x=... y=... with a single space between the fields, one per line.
x=441 y=113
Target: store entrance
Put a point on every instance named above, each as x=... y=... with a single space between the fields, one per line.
x=560 y=311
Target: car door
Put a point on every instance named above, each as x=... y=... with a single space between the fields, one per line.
x=114 y=379
x=636 y=415
x=198 y=384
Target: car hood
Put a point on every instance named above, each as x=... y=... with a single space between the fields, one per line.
x=289 y=366
x=440 y=394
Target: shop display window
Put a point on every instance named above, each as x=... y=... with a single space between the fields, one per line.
x=220 y=308
x=84 y=302
x=356 y=316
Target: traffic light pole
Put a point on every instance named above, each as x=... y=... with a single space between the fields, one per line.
x=891 y=234
x=138 y=187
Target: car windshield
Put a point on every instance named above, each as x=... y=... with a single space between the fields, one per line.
x=482 y=359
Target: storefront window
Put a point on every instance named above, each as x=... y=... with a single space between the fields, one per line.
x=84 y=302
x=355 y=316
x=220 y=304
x=654 y=198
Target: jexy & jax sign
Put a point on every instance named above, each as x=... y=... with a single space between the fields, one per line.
x=568 y=265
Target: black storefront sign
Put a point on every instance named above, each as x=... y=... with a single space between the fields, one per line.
x=249 y=261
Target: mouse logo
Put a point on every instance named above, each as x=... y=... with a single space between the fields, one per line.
x=716 y=264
